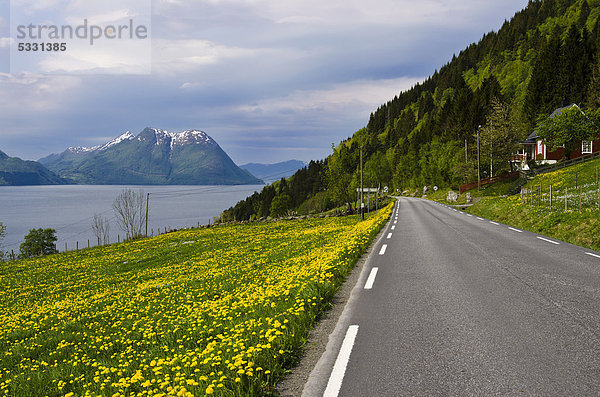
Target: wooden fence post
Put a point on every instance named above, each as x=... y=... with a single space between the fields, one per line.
x=580 y=188
x=550 y=197
x=566 y=198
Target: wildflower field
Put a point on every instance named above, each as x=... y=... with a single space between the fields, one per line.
x=221 y=311
x=575 y=188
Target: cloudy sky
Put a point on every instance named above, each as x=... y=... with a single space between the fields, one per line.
x=270 y=80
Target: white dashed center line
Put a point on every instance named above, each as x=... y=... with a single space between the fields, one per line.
x=389 y=235
x=481 y=219
x=494 y=223
x=382 y=250
x=515 y=230
x=371 y=279
x=548 y=241
x=594 y=255
x=393 y=227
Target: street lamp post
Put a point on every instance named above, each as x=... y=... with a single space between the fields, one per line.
x=478 y=161
x=362 y=212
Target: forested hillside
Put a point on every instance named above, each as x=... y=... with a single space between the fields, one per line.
x=546 y=56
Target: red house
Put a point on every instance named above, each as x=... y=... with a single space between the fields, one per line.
x=535 y=148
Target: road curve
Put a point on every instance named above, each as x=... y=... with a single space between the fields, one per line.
x=454 y=304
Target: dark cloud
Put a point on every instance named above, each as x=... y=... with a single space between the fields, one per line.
x=267 y=82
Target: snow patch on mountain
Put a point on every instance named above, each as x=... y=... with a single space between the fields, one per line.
x=127 y=136
x=172 y=139
x=81 y=149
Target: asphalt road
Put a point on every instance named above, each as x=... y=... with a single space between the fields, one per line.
x=450 y=304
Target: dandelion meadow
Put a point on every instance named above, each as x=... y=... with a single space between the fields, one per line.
x=221 y=311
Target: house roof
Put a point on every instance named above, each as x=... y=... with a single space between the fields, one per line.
x=533 y=137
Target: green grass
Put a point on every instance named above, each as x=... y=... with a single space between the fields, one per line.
x=496 y=189
x=580 y=228
x=533 y=211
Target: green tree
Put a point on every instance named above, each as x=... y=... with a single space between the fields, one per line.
x=281 y=205
x=584 y=13
x=593 y=96
x=339 y=176
x=567 y=129
x=38 y=242
x=377 y=171
x=498 y=137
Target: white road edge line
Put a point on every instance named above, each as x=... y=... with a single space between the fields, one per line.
x=393 y=227
x=339 y=368
x=515 y=230
x=389 y=235
x=371 y=279
x=594 y=255
x=469 y=215
x=481 y=219
x=549 y=241
x=382 y=250
x=494 y=223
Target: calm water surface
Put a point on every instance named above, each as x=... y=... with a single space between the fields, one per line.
x=70 y=209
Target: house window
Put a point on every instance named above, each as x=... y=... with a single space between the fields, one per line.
x=540 y=147
x=586 y=146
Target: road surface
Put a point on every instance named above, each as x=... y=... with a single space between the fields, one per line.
x=451 y=304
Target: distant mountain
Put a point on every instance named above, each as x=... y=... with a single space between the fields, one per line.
x=153 y=157
x=17 y=172
x=273 y=172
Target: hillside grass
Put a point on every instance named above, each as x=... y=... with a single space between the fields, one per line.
x=580 y=228
x=492 y=190
x=223 y=311
x=533 y=211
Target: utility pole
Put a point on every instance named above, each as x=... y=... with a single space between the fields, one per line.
x=362 y=213
x=478 y=161
x=147 y=202
x=491 y=160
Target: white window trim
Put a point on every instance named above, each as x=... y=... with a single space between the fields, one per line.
x=583 y=147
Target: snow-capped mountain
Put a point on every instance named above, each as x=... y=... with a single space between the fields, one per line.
x=154 y=156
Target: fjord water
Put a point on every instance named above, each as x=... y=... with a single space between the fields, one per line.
x=70 y=209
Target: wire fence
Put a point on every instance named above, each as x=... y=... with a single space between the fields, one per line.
x=560 y=197
x=82 y=227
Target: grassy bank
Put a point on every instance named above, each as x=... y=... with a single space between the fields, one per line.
x=563 y=204
x=580 y=228
x=221 y=311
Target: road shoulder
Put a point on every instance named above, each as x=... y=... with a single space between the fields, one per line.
x=308 y=377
